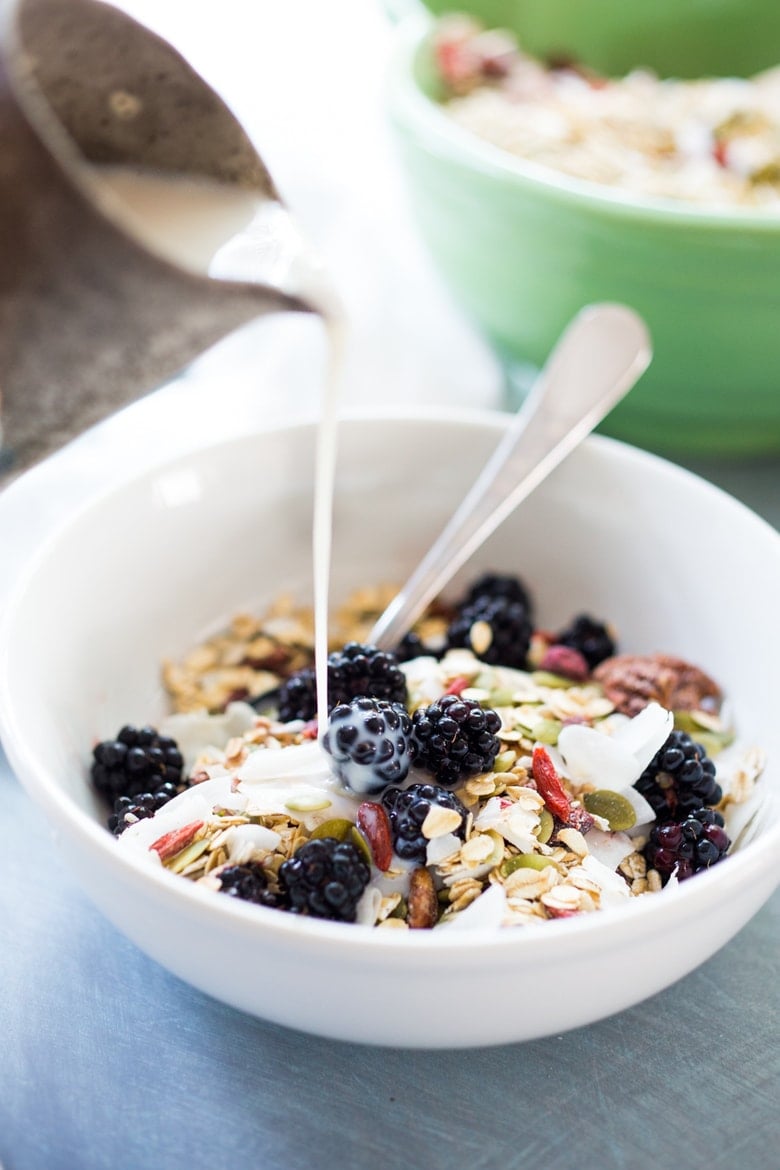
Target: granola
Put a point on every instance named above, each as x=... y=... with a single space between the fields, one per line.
x=714 y=140
x=556 y=826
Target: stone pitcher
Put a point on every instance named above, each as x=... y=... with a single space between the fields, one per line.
x=90 y=317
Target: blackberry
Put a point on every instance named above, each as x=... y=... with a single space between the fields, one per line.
x=679 y=779
x=249 y=881
x=407 y=808
x=412 y=646
x=692 y=845
x=325 y=878
x=496 y=629
x=455 y=737
x=137 y=761
x=370 y=742
x=356 y=669
x=590 y=637
x=129 y=809
x=492 y=585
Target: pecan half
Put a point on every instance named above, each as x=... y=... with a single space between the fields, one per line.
x=631 y=681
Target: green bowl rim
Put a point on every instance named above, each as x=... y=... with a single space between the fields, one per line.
x=413 y=110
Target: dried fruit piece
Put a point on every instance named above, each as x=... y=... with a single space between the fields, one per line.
x=375 y=824
x=423 y=903
x=631 y=681
x=566 y=661
x=580 y=818
x=548 y=782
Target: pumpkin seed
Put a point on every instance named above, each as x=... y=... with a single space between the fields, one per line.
x=546 y=826
x=504 y=761
x=617 y=810
x=338 y=827
x=187 y=855
x=524 y=861
x=544 y=678
x=307 y=803
x=344 y=830
x=362 y=845
x=547 y=730
x=501 y=698
x=711 y=738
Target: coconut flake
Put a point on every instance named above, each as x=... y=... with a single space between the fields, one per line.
x=613 y=887
x=485 y=913
x=593 y=758
x=198 y=733
x=440 y=848
x=299 y=761
x=245 y=842
x=609 y=848
x=514 y=822
x=643 y=810
x=194 y=804
x=368 y=906
x=646 y=733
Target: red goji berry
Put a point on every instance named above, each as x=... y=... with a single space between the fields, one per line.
x=548 y=783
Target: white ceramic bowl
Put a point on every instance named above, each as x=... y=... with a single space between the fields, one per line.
x=143 y=571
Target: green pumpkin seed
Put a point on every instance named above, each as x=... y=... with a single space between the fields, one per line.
x=546 y=826
x=544 y=678
x=504 y=761
x=306 y=804
x=190 y=853
x=711 y=738
x=616 y=810
x=338 y=827
x=547 y=730
x=524 y=861
x=501 y=698
x=344 y=830
x=362 y=845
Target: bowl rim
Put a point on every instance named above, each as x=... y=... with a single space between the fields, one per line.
x=413 y=110
x=92 y=837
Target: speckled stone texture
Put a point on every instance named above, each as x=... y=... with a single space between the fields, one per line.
x=89 y=320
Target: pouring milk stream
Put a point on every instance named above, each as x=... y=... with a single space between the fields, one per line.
x=230 y=234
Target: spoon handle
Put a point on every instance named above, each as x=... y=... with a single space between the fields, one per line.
x=596 y=362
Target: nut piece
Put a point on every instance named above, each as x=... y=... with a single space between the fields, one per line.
x=632 y=681
x=375 y=824
x=423 y=903
x=171 y=843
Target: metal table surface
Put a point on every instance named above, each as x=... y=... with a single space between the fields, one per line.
x=108 y=1060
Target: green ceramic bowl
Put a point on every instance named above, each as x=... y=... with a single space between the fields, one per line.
x=524 y=248
x=680 y=38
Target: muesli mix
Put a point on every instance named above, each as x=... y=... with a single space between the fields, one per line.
x=488 y=773
x=714 y=140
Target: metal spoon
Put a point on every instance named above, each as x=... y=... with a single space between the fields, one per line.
x=598 y=359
